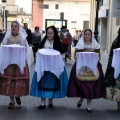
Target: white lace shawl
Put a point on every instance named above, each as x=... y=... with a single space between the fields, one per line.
x=81 y=43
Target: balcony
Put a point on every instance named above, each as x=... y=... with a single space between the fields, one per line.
x=13 y=9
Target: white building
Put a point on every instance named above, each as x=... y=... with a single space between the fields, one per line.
x=18 y=10
x=109 y=22
x=76 y=13
x=47 y=12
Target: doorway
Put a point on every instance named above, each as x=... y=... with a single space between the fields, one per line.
x=103 y=33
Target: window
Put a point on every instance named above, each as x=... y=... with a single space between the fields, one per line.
x=105 y=2
x=73 y=24
x=56 y=22
x=101 y=2
x=44 y=6
x=56 y=6
x=85 y=25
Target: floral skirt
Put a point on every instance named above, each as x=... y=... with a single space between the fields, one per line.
x=13 y=83
x=113 y=93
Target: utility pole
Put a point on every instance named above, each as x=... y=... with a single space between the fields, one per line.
x=6 y=16
x=62 y=17
x=3 y=13
x=96 y=21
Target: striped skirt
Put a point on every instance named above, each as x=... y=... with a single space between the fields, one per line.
x=13 y=83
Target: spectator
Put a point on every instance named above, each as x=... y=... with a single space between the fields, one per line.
x=29 y=34
x=36 y=39
x=76 y=37
x=66 y=40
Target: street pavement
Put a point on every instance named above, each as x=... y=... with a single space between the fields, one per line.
x=64 y=109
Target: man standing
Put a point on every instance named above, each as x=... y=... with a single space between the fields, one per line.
x=66 y=40
x=29 y=34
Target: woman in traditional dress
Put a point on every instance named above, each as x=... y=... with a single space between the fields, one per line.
x=112 y=84
x=87 y=87
x=48 y=82
x=36 y=39
x=13 y=83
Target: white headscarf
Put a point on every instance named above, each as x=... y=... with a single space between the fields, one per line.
x=21 y=32
x=81 y=43
x=24 y=42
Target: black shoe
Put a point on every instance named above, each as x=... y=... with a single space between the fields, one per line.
x=11 y=105
x=79 y=105
x=65 y=59
x=89 y=111
x=41 y=107
x=50 y=105
x=118 y=109
x=18 y=101
x=34 y=61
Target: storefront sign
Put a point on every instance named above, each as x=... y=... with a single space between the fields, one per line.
x=103 y=13
x=116 y=8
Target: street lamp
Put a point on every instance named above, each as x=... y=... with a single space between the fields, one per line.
x=3 y=12
x=96 y=21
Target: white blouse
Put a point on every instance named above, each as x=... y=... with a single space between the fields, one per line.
x=49 y=44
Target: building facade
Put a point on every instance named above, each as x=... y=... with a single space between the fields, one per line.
x=78 y=14
x=109 y=22
x=20 y=10
x=47 y=12
x=43 y=13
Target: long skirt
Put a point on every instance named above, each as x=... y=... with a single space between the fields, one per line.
x=86 y=89
x=113 y=92
x=49 y=86
x=13 y=83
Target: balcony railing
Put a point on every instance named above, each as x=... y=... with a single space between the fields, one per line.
x=13 y=9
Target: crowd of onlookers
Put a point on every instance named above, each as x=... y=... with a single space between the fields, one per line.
x=76 y=36
x=36 y=36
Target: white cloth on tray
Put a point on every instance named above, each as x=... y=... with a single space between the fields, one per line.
x=86 y=59
x=116 y=62
x=12 y=54
x=49 y=60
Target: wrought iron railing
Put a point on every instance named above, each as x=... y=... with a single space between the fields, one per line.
x=13 y=9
